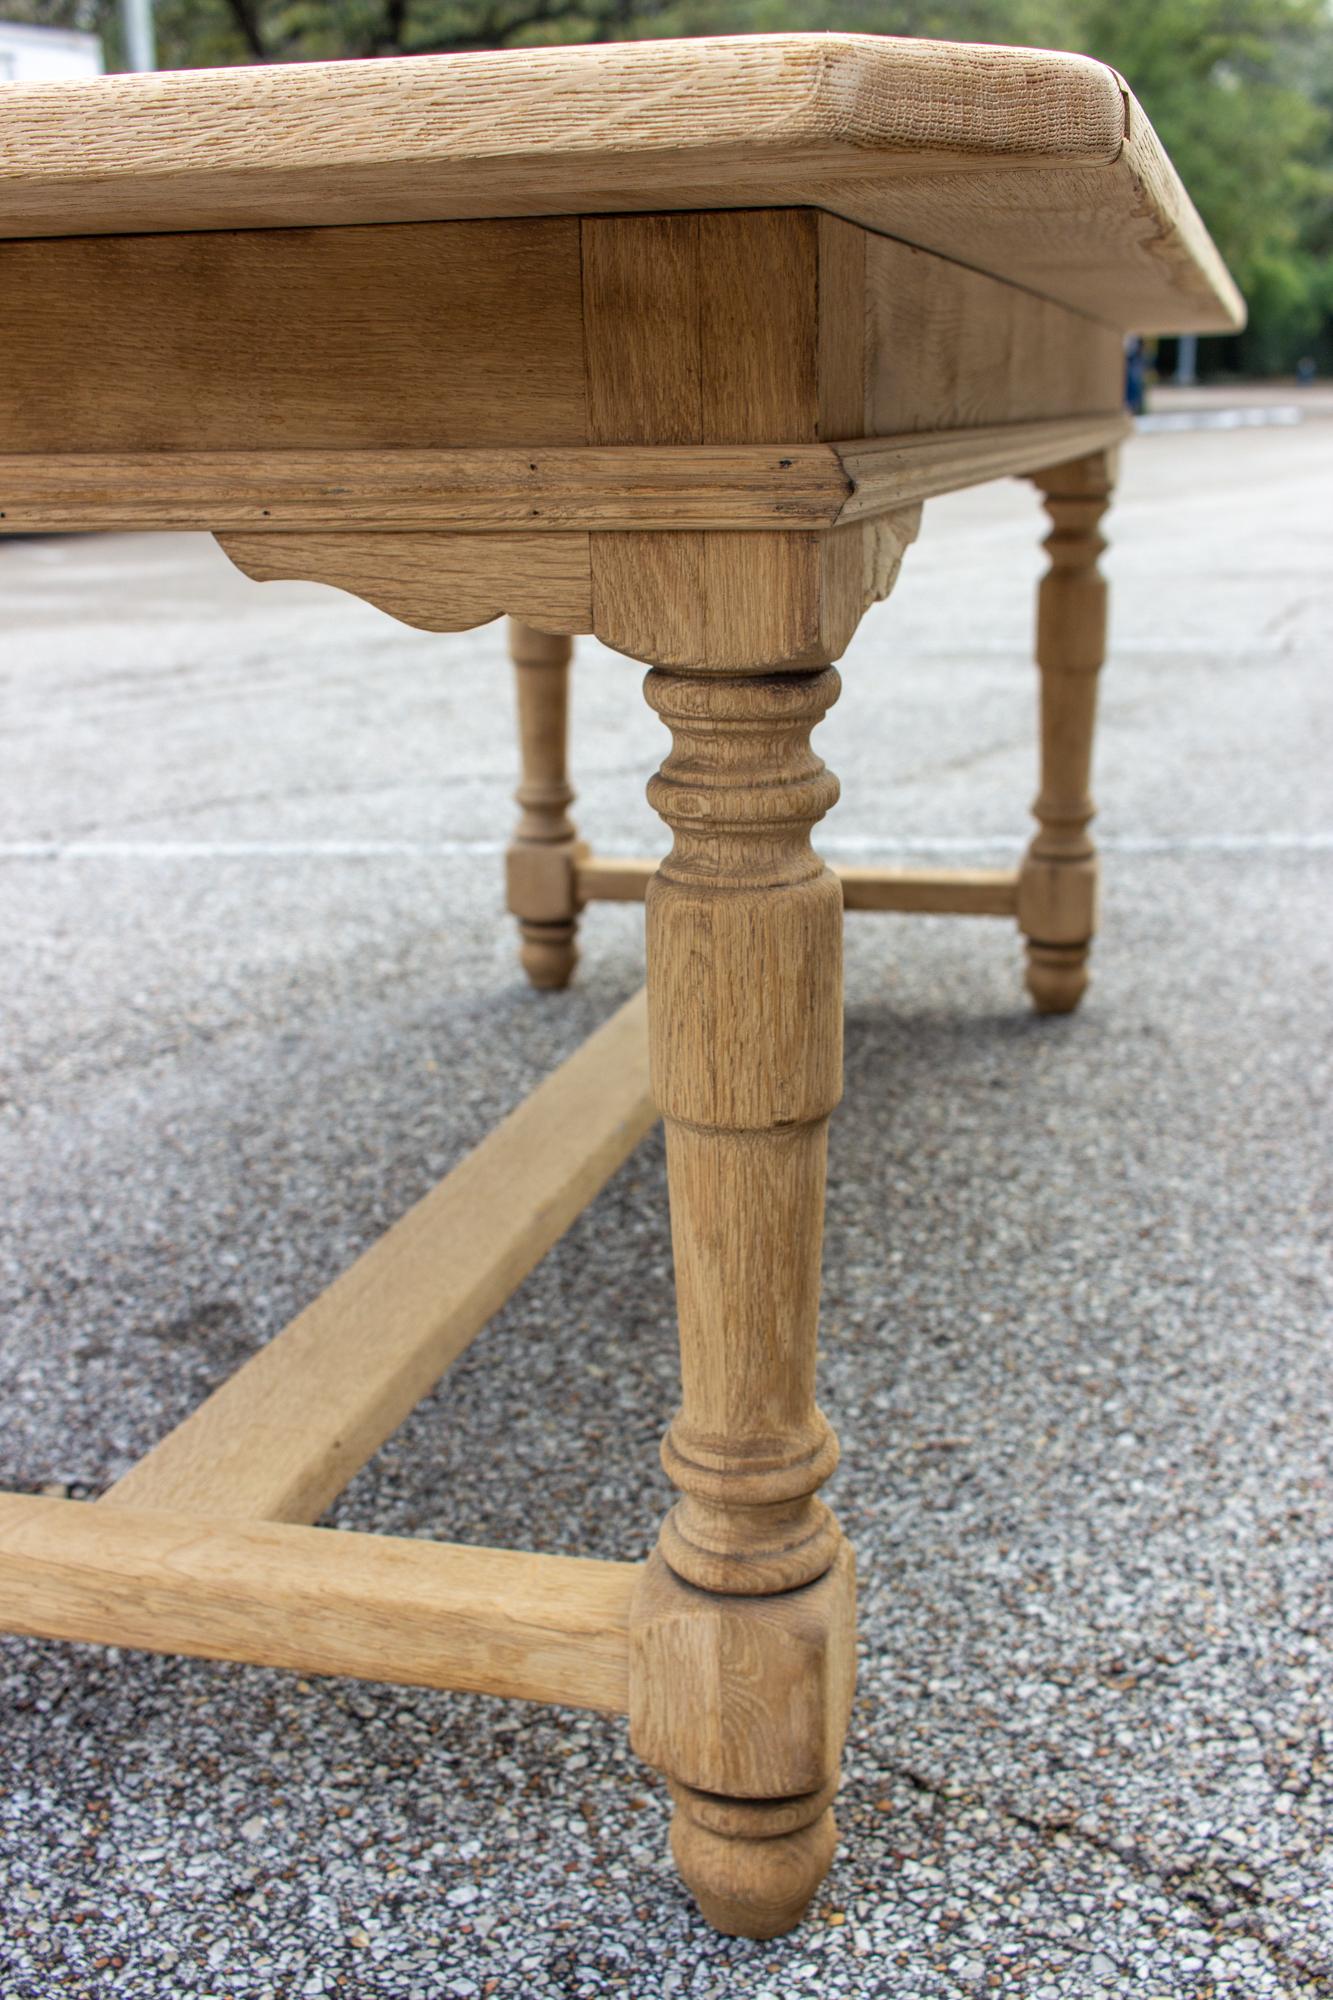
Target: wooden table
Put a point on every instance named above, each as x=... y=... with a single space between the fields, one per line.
x=665 y=342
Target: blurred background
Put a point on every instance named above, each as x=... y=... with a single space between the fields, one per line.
x=1241 y=92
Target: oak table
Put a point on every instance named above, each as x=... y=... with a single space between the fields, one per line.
x=665 y=342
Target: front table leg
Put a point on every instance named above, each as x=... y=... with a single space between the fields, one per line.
x=1057 y=887
x=743 y=1633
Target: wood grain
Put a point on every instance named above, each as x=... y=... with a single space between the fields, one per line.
x=887 y=474
x=708 y=361
x=722 y=345
x=474 y=489
x=702 y=328
x=950 y=349
x=319 y=1601
x=643 y=487
x=738 y=603
x=282 y=1436
x=440 y=583
x=844 y=360
x=744 y=983
x=708 y=331
x=753 y=1769
x=441 y=335
x=641 y=285
x=1037 y=167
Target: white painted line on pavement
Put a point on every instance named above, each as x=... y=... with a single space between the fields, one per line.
x=1254 y=416
x=415 y=850
x=239 y=850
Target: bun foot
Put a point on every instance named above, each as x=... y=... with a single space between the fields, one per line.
x=1057 y=976
x=753 y=1867
x=548 y=954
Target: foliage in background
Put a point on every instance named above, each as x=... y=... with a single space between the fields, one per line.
x=1241 y=92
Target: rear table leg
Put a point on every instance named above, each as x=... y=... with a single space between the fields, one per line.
x=1057 y=889
x=544 y=849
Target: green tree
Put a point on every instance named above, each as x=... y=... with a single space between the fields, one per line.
x=1240 y=92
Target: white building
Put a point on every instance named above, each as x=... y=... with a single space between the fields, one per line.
x=39 y=55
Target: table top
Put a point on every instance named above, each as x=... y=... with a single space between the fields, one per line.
x=1037 y=167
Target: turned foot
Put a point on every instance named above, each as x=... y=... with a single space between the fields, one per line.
x=548 y=953
x=1057 y=976
x=753 y=1866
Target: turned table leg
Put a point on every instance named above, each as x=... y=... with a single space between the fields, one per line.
x=542 y=854
x=1057 y=890
x=742 y=1637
